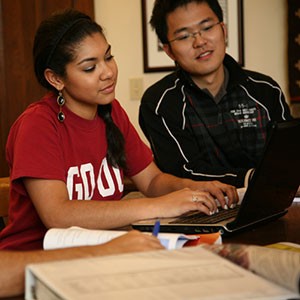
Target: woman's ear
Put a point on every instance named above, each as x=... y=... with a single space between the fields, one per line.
x=54 y=79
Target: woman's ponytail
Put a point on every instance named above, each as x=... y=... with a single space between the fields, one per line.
x=115 y=139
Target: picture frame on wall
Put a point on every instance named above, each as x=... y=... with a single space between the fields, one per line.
x=156 y=60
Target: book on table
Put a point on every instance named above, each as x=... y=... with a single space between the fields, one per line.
x=224 y=271
x=76 y=236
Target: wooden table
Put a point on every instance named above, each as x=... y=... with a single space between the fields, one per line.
x=285 y=229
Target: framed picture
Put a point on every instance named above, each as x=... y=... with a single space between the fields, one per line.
x=156 y=60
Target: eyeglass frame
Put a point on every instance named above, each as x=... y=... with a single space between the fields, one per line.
x=193 y=34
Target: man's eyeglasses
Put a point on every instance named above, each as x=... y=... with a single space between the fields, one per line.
x=204 y=32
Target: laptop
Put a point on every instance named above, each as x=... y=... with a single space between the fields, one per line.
x=270 y=192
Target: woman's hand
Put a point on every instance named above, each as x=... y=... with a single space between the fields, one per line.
x=226 y=195
x=182 y=201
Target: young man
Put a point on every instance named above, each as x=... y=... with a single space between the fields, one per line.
x=13 y=263
x=209 y=119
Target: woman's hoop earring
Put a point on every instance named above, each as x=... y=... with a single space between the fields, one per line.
x=61 y=102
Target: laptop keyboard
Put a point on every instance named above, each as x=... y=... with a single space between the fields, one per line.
x=202 y=218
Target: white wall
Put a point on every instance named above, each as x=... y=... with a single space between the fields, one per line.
x=265 y=40
x=265 y=32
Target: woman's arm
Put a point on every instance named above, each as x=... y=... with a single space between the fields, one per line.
x=172 y=197
x=152 y=182
x=13 y=263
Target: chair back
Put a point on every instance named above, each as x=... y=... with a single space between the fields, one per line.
x=4 y=199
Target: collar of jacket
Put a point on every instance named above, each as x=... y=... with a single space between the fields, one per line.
x=237 y=75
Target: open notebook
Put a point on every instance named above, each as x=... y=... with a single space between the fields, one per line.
x=270 y=192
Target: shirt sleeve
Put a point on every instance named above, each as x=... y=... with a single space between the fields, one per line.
x=33 y=148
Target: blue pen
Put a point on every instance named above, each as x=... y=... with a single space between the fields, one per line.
x=156 y=228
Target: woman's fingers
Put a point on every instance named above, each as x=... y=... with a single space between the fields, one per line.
x=225 y=195
x=204 y=202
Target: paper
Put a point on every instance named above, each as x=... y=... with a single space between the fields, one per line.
x=187 y=273
x=76 y=236
x=277 y=265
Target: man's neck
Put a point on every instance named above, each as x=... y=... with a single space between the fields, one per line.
x=212 y=82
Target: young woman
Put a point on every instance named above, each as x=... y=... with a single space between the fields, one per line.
x=77 y=143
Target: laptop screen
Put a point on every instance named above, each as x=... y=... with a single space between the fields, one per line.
x=277 y=176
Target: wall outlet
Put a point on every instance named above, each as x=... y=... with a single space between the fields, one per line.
x=136 y=88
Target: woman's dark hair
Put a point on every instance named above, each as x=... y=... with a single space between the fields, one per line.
x=162 y=8
x=55 y=45
x=115 y=139
x=56 y=40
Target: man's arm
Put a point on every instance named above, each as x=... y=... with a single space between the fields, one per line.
x=13 y=263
